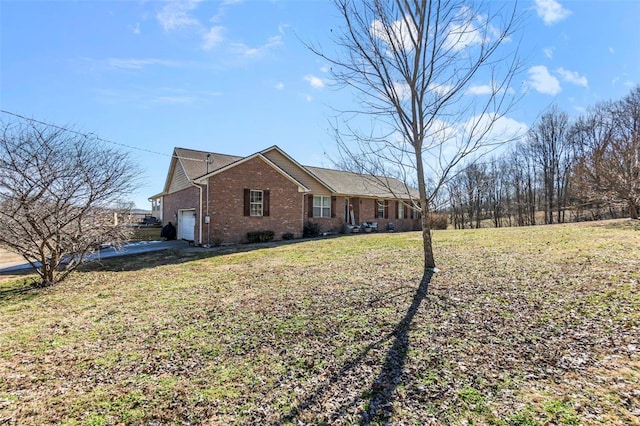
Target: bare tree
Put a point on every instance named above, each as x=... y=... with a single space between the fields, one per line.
x=415 y=69
x=608 y=166
x=549 y=146
x=522 y=180
x=498 y=187
x=57 y=192
x=472 y=184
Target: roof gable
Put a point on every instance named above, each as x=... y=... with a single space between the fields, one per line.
x=258 y=155
x=296 y=170
x=188 y=164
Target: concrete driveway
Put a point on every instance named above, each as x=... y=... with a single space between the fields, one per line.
x=18 y=264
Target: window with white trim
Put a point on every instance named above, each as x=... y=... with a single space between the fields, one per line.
x=400 y=210
x=382 y=209
x=321 y=206
x=256 y=199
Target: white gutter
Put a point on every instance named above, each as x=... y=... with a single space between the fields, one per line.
x=199 y=213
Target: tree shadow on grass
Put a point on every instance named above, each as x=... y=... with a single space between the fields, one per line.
x=21 y=286
x=379 y=406
x=385 y=385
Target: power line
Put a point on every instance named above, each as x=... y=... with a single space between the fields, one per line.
x=94 y=136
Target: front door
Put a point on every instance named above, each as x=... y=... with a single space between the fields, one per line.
x=349 y=213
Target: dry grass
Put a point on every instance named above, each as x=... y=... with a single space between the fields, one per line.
x=520 y=327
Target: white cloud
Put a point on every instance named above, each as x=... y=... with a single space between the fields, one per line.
x=498 y=129
x=469 y=29
x=279 y=86
x=580 y=109
x=244 y=50
x=135 y=28
x=484 y=89
x=548 y=52
x=551 y=11
x=492 y=88
x=461 y=36
x=282 y=28
x=398 y=34
x=573 y=77
x=138 y=64
x=439 y=132
x=625 y=80
x=489 y=126
x=315 y=82
x=402 y=90
x=145 y=97
x=612 y=50
x=440 y=89
x=213 y=37
x=487 y=130
x=542 y=81
x=308 y=98
x=176 y=14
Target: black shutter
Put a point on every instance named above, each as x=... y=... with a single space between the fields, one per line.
x=247 y=202
x=375 y=209
x=333 y=206
x=397 y=209
x=310 y=206
x=265 y=202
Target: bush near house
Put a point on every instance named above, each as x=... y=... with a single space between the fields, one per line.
x=260 y=236
x=311 y=230
x=438 y=221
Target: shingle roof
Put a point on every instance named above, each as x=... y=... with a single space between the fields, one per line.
x=195 y=162
x=356 y=184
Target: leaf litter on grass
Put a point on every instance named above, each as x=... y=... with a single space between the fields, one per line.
x=521 y=326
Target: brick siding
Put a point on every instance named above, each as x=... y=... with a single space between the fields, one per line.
x=226 y=203
x=186 y=199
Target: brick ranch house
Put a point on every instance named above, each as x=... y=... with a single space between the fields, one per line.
x=220 y=198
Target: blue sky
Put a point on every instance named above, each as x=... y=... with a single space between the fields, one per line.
x=234 y=77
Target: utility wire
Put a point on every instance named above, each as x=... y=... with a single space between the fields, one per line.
x=96 y=137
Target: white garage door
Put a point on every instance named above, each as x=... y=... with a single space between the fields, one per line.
x=186 y=224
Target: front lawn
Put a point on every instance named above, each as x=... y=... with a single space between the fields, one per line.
x=521 y=326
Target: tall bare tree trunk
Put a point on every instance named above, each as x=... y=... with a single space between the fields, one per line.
x=427 y=243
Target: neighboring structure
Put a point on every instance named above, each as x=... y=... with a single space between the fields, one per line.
x=213 y=198
x=156 y=206
x=130 y=216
